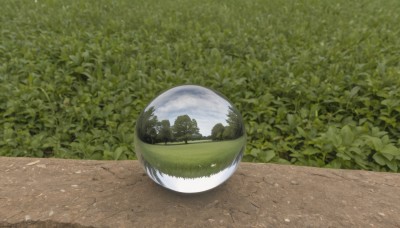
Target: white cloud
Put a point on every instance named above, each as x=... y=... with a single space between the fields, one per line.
x=204 y=105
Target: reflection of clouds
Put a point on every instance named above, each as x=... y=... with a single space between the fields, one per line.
x=201 y=104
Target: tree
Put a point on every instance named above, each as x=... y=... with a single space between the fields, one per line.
x=185 y=128
x=147 y=130
x=228 y=133
x=165 y=131
x=235 y=128
x=217 y=131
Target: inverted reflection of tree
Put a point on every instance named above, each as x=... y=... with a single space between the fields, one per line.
x=153 y=172
x=232 y=164
x=179 y=168
x=239 y=156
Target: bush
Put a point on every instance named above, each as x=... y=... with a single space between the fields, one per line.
x=317 y=82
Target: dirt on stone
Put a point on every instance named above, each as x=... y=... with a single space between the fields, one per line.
x=43 y=224
x=75 y=193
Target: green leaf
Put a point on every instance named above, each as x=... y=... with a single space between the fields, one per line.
x=311 y=151
x=269 y=155
x=389 y=157
x=343 y=156
x=390 y=149
x=357 y=150
x=379 y=159
x=347 y=135
x=301 y=132
x=376 y=142
x=334 y=137
x=354 y=91
x=119 y=151
x=361 y=163
x=108 y=155
x=392 y=165
x=291 y=120
x=254 y=152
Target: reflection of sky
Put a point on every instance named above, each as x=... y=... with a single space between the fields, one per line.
x=201 y=104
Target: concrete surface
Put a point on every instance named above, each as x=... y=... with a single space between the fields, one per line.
x=75 y=193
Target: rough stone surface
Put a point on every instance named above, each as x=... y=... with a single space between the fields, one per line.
x=75 y=193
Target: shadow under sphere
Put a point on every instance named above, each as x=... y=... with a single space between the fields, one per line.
x=190 y=139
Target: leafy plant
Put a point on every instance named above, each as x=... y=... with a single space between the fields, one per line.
x=317 y=82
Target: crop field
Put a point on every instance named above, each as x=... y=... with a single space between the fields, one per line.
x=317 y=81
x=193 y=159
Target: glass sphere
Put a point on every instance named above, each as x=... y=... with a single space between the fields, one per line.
x=190 y=139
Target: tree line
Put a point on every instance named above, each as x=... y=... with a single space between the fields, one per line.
x=152 y=131
x=233 y=130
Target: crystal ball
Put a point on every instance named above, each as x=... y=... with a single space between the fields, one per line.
x=190 y=139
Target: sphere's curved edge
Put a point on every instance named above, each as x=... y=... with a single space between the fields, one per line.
x=190 y=139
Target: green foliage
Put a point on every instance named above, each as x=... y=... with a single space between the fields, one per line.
x=184 y=128
x=233 y=130
x=165 y=132
x=217 y=132
x=317 y=82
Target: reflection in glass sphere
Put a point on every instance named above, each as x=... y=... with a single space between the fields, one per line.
x=190 y=139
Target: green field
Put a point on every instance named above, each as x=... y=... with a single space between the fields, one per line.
x=182 y=142
x=316 y=81
x=193 y=159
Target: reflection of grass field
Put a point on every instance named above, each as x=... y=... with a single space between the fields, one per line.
x=192 y=160
x=180 y=143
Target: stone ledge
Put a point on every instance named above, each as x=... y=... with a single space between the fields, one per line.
x=75 y=193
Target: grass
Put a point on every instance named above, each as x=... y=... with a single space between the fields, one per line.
x=193 y=159
x=182 y=143
x=317 y=81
